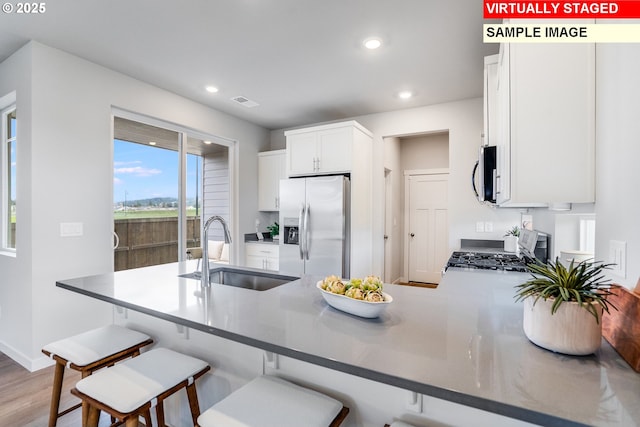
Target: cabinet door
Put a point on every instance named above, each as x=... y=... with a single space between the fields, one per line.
x=334 y=150
x=272 y=264
x=552 y=122
x=271 y=168
x=254 y=261
x=490 y=99
x=301 y=154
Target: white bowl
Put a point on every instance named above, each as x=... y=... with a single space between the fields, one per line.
x=355 y=306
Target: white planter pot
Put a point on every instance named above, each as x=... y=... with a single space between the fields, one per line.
x=571 y=330
x=510 y=243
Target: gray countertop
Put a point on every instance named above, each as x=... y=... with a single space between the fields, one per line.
x=462 y=342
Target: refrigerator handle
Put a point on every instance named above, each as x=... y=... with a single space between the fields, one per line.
x=301 y=232
x=306 y=231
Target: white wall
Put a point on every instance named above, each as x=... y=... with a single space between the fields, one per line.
x=65 y=175
x=15 y=272
x=429 y=151
x=618 y=153
x=464 y=122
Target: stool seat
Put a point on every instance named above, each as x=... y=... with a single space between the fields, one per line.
x=271 y=401
x=129 y=389
x=129 y=385
x=92 y=346
x=87 y=352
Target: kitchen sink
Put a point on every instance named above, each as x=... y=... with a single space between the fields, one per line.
x=247 y=279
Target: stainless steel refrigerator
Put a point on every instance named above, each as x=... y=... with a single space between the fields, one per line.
x=314 y=222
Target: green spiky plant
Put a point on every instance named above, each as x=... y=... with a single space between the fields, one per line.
x=514 y=231
x=582 y=282
x=274 y=229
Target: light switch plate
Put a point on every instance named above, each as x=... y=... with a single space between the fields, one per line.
x=488 y=227
x=479 y=227
x=618 y=256
x=71 y=229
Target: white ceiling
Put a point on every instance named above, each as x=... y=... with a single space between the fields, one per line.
x=301 y=60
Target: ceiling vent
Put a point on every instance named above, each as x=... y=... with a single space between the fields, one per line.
x=245 y=101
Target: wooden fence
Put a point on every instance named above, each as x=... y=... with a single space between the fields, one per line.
x=151 y=241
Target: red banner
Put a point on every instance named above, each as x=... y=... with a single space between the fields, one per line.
x=623 y=9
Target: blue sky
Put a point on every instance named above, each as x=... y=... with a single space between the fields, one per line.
x=143 y=171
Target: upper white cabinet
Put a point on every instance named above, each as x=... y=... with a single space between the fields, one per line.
x=490 y=99
x=271 y=169
x=545 y=123
x=323 y=149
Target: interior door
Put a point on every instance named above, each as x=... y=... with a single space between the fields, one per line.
x=428 y=227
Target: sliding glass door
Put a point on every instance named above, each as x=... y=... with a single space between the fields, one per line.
x=164 y=182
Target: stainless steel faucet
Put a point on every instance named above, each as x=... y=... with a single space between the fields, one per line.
x=204 y=277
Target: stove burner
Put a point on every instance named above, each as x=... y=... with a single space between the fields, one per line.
x=487 y=261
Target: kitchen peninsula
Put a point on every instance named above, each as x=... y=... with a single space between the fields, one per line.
x=462 y=342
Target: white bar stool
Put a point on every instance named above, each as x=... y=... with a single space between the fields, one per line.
x=269 y=401
x=88 y=352
x=130 y=389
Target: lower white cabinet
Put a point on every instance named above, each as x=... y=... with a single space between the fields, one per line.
x=262 y=255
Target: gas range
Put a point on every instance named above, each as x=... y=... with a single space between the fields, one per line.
x=488 y=261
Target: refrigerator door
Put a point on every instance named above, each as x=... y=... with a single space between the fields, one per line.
x=325 y=232
x=292 y=203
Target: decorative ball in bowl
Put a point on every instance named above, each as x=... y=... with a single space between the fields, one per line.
x=360 y=297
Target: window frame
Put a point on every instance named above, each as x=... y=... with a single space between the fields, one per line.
x=6 y=140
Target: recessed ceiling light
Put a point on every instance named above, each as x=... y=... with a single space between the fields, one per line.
x=207 y=142
x=405 y=94
x=152 y=143
x=372 y=43
x=211 y=89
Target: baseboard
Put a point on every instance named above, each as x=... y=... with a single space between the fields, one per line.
x=30 y=364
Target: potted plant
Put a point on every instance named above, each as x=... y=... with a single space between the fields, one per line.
x=274 y=230
x=511 y=239
x=563 y=306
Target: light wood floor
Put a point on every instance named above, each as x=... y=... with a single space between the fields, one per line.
x=25 y=396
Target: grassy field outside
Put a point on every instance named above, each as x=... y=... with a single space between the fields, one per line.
x=149 y=213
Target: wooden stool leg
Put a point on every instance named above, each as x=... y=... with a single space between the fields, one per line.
x=85 y=405
x=58 y=376
x=147 y=419
x=132 y=422
x=192 y=394
x=160 y=414
x=93 y=417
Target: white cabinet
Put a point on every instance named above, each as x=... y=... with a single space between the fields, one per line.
x=546 y=123
x=271 y=169
x=262 y=255
x=490 y=99
x=323 y=149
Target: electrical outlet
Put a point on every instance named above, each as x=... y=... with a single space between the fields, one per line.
x=618 y=256
x=479 y=227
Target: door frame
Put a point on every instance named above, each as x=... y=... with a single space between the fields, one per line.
x=407 y=213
